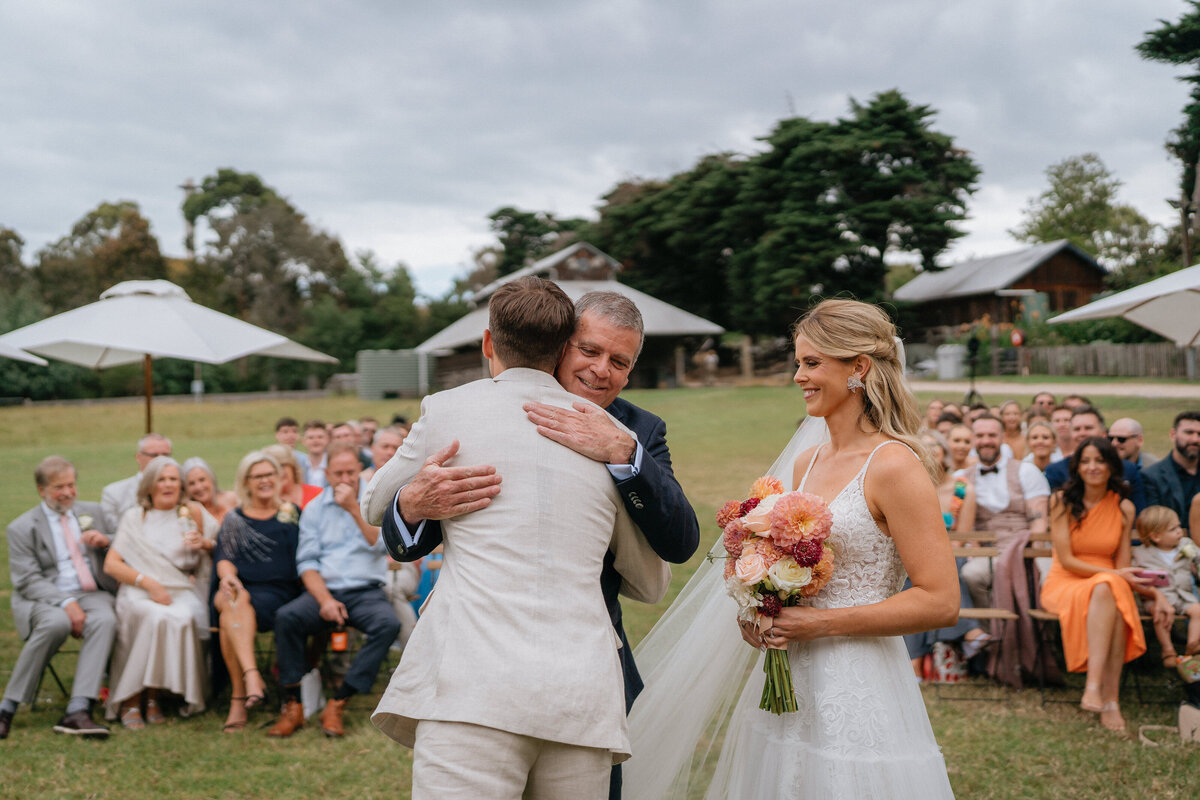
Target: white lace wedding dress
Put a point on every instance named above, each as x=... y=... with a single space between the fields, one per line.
x=860 y=731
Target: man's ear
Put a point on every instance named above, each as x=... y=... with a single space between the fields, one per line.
x=489 y=351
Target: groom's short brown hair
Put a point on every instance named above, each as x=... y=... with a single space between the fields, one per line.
x=531 y=320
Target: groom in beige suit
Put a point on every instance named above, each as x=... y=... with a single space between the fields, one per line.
x=511 y=685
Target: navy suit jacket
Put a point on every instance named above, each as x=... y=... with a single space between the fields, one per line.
x=1164 y=489
x=654 y=500
x=1058 y=472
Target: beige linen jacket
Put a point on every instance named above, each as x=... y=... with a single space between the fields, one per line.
x=516 y=635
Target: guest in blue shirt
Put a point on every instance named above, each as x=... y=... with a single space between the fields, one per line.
x=341 y=561
x=1087 y=421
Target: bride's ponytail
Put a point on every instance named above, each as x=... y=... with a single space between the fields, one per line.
x=846 y=329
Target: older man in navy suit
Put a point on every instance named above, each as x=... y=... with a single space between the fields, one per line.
x=595 y=366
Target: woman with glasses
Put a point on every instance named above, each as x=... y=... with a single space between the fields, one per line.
x=255 y=560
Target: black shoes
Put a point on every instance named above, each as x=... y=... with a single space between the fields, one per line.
x=80 y=724
x=5 y=723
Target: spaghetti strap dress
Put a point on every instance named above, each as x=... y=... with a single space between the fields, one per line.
x=1094 y=540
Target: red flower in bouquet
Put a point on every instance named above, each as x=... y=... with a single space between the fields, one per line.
x=777 y=555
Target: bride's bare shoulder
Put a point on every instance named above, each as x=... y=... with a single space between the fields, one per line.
x=801 y=464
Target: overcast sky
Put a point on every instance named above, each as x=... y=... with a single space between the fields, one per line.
x=399 y=126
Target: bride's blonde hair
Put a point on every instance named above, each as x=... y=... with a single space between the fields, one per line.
x=846 y=329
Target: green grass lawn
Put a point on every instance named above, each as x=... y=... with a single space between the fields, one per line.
x=721 y=439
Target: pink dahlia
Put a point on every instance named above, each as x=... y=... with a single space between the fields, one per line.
x=729 y=512
x=769 y=551
x=766 y=486
x=734 y=537
x=798 y=516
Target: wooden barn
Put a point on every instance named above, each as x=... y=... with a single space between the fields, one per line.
x=1043 y=279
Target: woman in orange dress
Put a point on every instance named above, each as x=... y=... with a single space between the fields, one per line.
x=1091 y=583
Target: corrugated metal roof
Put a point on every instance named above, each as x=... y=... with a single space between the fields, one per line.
x=984 y=275
x=544 y=265
x=658 y=318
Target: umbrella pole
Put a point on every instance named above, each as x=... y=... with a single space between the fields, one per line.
x=148 y=374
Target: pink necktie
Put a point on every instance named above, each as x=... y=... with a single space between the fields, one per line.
x=86 y=581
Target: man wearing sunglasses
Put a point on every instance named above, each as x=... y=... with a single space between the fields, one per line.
x=1126 y=436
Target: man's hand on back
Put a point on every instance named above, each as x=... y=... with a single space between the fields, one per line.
x=587 y=430
x=441 y=492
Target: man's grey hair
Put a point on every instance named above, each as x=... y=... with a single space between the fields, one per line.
x=152 y=437
x=617 y=309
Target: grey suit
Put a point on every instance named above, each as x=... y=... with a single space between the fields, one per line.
x=37 y=605
x=117 y=498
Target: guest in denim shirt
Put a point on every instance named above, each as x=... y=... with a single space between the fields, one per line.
x=342 y=562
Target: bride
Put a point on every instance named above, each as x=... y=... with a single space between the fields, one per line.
x=861 y=729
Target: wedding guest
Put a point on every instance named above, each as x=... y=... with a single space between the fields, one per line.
x=1010 y=500
x=1091 y=583
x=1174 y=481
x=1164 y=548
x=287 y=432
x=1074 y=401
x=158 y=550
x=1126 y=436
x=932 y=412
x=947 y=420
x=367 y=428
x=1060 y=419
x=291 y=488
x=1040 y=441
x=316 y=440
x=1014 y=436
x=340 y=559
x=960 y=441
x=200 y=485
x=1043 y=404
x=383 y=447
x=120 y=496
x=55 y=554
x=1087 y=422
x=957 y=500
x=255 y=563
x=349 y=432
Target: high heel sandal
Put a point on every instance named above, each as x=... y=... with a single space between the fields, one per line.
x=234 y=727
x=1112 y=705
x=154 y=714
x=131 y=718
x=254 y=701
x=1094 y=708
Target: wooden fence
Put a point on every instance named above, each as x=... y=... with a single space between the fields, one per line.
x=1159 y=360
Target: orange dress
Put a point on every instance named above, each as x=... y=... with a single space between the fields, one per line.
x=1094 y=541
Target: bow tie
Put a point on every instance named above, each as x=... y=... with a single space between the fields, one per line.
x=995 y=468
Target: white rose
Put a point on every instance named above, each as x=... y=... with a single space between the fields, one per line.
x=758 y=520
x=788 y=576
x=746 y=598
x=85 y=522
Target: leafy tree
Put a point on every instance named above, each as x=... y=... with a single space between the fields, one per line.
x=1178 y=43
x=826 y=202
x=112 y=243
x=673 y=236
x=229 y=191
x=13 y=272
x=526 y=236
x=1081 y=206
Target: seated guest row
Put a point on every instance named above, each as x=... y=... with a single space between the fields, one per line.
x=175 y=570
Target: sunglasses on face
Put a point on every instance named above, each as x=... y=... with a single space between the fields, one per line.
x=1119 y=439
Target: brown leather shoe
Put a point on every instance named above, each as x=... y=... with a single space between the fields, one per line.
x=291 y=719
x=331 y=718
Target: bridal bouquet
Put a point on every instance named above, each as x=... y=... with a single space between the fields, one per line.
x=777 y=555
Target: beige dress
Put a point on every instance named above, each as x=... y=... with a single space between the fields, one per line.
x=159 y=646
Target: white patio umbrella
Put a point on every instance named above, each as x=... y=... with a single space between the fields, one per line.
x=17 y=354
x=1169 y=306
x=142 y=320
